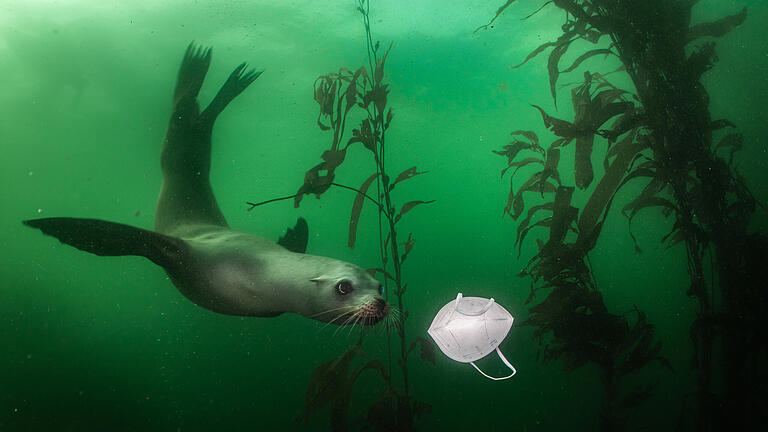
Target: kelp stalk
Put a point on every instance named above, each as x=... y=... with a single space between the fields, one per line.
x=337 y=94
x=710 y=201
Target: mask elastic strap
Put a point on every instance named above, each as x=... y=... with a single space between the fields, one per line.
x=506 y=362
x=480 y=312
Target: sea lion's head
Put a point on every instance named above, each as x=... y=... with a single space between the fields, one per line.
x=347 y=294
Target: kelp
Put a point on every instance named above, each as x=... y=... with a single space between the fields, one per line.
x=574 y=313
x=332 y=384
x=337 y=95
x=668 y=144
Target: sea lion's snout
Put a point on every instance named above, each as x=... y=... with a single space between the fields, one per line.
x=374 y=311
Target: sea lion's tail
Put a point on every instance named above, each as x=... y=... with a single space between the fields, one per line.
x=105 y=238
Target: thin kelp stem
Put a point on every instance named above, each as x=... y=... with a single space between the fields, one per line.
x=254 y=205
x=378 y=205
x=338 y=94
x=364 y=7
x=376 y=118
x=257 y=204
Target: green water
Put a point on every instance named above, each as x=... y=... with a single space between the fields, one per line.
x=91 y=343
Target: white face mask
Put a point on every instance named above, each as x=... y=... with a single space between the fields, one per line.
x=469 y=328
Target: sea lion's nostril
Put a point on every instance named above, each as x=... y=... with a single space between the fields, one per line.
x=380 y=303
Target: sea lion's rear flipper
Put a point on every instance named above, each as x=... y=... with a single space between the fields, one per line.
x=192 y=73
x=296 y=238
x=112 y=239
x=186 y=196
x=238 y=81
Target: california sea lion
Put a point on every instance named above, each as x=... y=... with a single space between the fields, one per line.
x=221 y=269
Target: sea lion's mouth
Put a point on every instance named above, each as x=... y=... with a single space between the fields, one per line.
x=373 y=312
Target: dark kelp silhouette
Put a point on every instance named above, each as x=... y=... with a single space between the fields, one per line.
x=668 y=142
x=338 y=94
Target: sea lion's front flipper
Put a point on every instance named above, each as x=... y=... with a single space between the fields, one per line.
x=112 y=239
x=296 y=238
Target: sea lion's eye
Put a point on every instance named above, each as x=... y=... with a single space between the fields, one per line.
x=344 y=287
x=381 y=289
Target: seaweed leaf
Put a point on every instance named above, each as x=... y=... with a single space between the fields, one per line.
x=382 y=271
x=510 y=199
x=537 y=182
x=585 y=56
x=717 y=28
x=607 y=186
x=330 y=383
x=592 y=36
x=560 y=128
x=552 y=66
x=649 y=191
x=631 y=119
x=320 y=123
x=498 y=12
x=521 y=163
x=646 y=169
x=720 y=124
x=378 y=74
x=408 y=206
x=351 y=93
x=733 y=140
x=512 y=149
x=607 y=96
x=606 y=112
x=524 y=227
x=583 y=161
x=550 y=166
x=563 y=214
x=529 y=135
x=620 y=147
x=536 y=52
x=427 y=349
x=407 y=246
x=650 y=201
x=405 y=175
x=376 y=365
x=357 y=207
x=317 y=180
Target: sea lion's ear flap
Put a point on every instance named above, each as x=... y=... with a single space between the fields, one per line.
x=296 y=238
x=322 y=278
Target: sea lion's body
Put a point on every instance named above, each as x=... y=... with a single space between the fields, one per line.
x=238 y=273
x=218 y=268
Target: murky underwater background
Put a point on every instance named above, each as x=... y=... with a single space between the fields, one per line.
x=92 y=343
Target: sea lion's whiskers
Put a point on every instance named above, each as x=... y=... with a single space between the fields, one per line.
x=349 y=318
x=331 y=310
x=395 y=317
x=344 y=310
x=342 y=314
x=390 y=323
x=355 y=323
x=357 y=320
